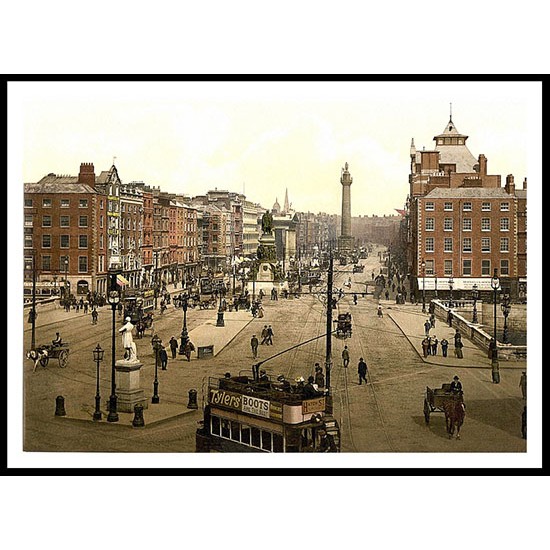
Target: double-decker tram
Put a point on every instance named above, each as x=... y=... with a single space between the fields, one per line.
x=243 y=414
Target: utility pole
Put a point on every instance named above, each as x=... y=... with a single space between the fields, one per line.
x=328 y=357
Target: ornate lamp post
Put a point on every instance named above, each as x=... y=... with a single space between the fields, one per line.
x=495 y=284
x=114 y=299
x=220 y=322
x=423 y=265
x=451 y=283
x=506 y=307
x=156 y=348
x=98 y=357
x=184 y=334
x=475 y=297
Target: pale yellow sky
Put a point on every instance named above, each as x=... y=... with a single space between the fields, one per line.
x=265 y=137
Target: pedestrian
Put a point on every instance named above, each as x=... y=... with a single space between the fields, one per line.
x=444 y=346
x=355 y=298
x=435 y=341
x=432 y=320
x=263 y=334
x=524 y=422
x=187 y=349
x=429 y=342
x=94 y=316
x=523 y=384
x=362 y=371
x=450 y=318
x=163 y=356
x=270 y=335
x=387 y=294
x=254 y=345
x=86 y=305
x=173 y=346
x=319 y=376
x=380 y=314
x=427 y=327
x=458 y=349
x=345 y=356
x=425 y=347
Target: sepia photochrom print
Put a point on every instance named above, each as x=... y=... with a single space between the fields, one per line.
x=215 y=273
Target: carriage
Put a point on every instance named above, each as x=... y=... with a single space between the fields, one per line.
x=343 y=325
x=54 y=351
x=145 y=322
x=358 y=268
x=448 y=402
x=437 y=398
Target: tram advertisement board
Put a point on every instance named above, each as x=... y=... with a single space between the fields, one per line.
x=245 y=403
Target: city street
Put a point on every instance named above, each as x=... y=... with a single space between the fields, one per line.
x=384 y=416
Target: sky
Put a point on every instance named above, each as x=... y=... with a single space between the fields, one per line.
x=262 y=138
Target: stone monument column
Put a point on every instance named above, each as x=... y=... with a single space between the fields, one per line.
x=346 y=241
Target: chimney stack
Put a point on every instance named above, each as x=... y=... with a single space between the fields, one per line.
x=510 y=186
x=87 y=174
x=482 y=160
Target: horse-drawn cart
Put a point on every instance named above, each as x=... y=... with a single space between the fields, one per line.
x=343 y=326
x=46 y=352
x=448 y=402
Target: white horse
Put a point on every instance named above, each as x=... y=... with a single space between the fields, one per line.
x=39 y=356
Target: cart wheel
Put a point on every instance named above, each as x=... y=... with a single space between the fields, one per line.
x=426 y=412
x=63 y=358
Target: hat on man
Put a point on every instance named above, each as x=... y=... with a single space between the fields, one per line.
x=127 y=319
x=455 y=377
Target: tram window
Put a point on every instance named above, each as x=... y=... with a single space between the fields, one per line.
x=256 y=438
x=266 y=441
x=225 y=428
x=245 y=434
x=215 y=425
x=235 y=431
x=277 y=443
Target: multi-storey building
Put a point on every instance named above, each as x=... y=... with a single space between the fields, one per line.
x=65 y=227
x=131 y=233
x=462 y=224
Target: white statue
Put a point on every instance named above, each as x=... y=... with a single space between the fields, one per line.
x=130 y=350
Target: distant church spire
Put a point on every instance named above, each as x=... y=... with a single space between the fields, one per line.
x=286 y=205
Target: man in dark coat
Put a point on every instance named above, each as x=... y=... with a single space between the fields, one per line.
x=362 y=371
x=173 y=346
x=163 y=356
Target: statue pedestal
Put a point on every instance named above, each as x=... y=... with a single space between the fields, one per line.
x=128 y=390
x=265 y=273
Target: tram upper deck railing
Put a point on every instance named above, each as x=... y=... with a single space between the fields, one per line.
x=281 y=392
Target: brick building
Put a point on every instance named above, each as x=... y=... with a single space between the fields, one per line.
x=462 y=223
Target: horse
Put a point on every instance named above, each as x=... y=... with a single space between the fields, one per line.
x=454 y=416
x=39 y=356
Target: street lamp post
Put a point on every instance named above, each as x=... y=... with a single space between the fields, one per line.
x=98 y=357
x=66 y=282
x=32 y=312
x=114 y=299
x=220 y=322
x=475 y=296
x=156 y=276
x=495 y=284
x=184 y=334
x=156 y=348
x=423 y=265
x=506 y=307
x=451 y=284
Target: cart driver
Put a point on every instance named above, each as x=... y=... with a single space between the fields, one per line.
x=57 y=341
x=456 y=385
